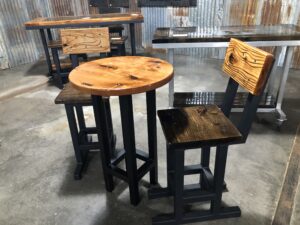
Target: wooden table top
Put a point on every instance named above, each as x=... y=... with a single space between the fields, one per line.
x=84 y=21
x=125 y=75
x=244 y=33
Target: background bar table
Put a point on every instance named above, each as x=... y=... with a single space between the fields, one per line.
x=280 y=36
x=124 y=76
x=48 y=23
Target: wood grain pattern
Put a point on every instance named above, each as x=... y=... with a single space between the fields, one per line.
x=205 y=124
x=80 y=20
x=86 y=40
x=247 y=65
x=113 y=41
x=124 y=75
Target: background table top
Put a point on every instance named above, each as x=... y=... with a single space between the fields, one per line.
x=244 y=33
x=123 y=75
x=80 y=21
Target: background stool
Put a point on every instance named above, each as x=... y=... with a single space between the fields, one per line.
x=208 y=126
x=63 y=67
x=75 y=100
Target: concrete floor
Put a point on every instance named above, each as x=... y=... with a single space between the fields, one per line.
x=37 y=161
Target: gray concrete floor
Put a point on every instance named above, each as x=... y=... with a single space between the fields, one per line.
x=37 y=161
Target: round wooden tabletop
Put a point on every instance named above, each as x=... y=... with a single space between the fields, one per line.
x=124 y=75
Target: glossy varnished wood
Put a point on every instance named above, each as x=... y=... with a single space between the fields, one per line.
x=202 y=124
x=247 y=65
x=85 y=40
x=70 y=95
x=65 y=21
x=223 y=34
x=124 y=75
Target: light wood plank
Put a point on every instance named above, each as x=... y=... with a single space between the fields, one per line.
x=88 y=40
x=247 y=65
x=110 y=18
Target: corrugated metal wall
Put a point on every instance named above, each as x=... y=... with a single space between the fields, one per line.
x=18 y=46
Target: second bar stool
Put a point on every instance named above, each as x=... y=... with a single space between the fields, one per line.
x=79 y=41
x=208 y=126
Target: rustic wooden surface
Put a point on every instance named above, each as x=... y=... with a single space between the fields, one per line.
x=70 y=95
x=90 y=19
x=247 y=65
x=86 y=40
x=124 y=75
x=201 y=124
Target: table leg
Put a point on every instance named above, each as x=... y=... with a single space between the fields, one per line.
x=271 y=84
x=48 y=60
x=286 y=67
x=170 y=55
x=129 y=145
x=152 y=134
x=103 y=137
x=132 y=38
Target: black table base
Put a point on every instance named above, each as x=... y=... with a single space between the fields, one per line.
x=132 y=175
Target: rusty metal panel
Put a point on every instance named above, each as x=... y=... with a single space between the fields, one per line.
x=18 y=44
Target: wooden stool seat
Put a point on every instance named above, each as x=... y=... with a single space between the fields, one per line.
x=197 y=125
x=70 y=95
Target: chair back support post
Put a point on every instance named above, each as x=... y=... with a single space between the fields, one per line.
x=230 y=94
x=74 y=60
x=250 y=109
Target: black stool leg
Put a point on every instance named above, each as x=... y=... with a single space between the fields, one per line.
x=129 y=145
x=205 y=156
x=179 y=185
x=152 y=134
x=80 y=117
x=132 y=38
x=75 y=140
x=170 y=169
x=103 y=137
x=219 y=173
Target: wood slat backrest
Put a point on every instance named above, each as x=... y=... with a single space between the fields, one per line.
x=247 y=65
x=86 y=40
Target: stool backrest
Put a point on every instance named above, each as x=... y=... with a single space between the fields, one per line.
x=247 y=65
x=87 y=40
x=250 y=68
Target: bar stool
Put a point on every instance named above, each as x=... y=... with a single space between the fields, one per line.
x=75 y=100
x=209 y=126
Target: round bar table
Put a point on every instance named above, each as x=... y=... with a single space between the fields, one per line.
x=123 y=77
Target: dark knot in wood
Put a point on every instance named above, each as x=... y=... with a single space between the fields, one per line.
x=132 y=77
x=86 y=84
x=231 y=58
x=109 y=67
